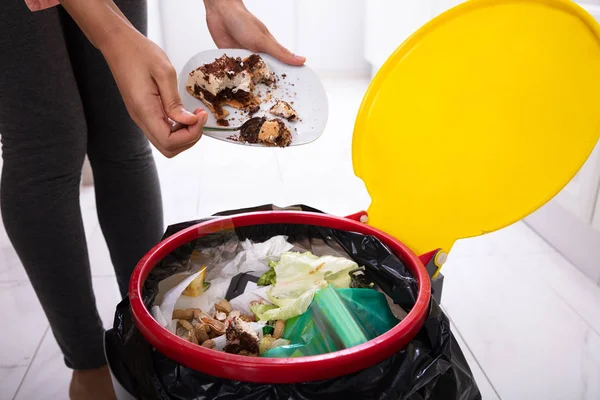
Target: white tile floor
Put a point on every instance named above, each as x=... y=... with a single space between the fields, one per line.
x=526 y=319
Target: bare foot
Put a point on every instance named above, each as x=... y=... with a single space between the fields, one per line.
x=92 y=384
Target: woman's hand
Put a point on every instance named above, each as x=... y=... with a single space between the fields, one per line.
x=232 y=26
x=146 y=79
x=148 y=84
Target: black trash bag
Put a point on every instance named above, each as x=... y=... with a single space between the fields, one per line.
x=431 y=367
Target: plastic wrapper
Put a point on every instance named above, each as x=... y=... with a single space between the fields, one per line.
x=337 y=319
x=431 y=367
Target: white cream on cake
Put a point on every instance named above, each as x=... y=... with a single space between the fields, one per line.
x=261 y=73
x=229 y=81
x=284 y=109
x=215 y=84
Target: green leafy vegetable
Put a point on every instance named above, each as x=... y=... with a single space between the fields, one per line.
x=297 y=277
x=260 y=309
x=291 y=308
x=268 y=278
x=299 y=272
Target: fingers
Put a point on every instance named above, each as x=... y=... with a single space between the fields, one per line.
x=182 y=149
x=172 y=152
x=166 y=81
x=158 y=131
x=272 y=47
x=194 y=130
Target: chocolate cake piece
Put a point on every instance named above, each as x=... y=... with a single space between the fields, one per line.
x=241 y=338
x=250 y=130
x=229 y=81
x=259 y=70
x=283 y=109
x=271 y=132
x=274 y=132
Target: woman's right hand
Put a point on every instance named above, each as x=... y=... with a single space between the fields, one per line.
x=146 y=78
x=148 y=84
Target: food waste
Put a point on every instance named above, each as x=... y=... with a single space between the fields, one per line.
x=292 y=291
x=228 y=330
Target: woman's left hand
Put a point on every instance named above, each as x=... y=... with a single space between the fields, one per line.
x=232 y=26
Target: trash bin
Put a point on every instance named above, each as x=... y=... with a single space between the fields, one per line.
x=418 y=357
x=275 y=370
x=459 y=134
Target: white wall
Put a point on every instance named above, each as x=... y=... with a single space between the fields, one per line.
x=154 y=28
x=439 y=6
x=571 y=221
x=390 y=22
x=330 y=33
x=183 y=28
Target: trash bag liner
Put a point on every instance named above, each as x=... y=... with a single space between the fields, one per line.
x=432 y=366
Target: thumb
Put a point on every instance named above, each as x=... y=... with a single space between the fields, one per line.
x=166 y=80
x=273 y=48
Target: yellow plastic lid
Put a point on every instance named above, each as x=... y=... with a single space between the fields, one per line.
x=478 y=119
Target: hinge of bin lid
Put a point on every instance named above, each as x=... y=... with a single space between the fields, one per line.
x=433 y=261
x=360 y=216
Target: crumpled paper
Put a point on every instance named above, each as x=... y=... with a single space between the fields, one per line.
x=254 y=258
x=163 y=313
x=252 y=293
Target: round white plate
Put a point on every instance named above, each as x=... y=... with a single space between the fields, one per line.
x=301 y=86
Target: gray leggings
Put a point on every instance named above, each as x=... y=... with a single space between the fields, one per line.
x=59 y=102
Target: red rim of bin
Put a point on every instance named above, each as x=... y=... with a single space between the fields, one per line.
x=277 y=370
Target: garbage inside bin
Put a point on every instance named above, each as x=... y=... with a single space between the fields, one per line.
x=412 y=360
x=337 y=319
x=291 y=281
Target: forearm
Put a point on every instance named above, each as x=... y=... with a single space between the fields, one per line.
x=100 y=20
x=212 y=5
x=208 y=3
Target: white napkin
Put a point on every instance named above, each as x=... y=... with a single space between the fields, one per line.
x=254 y=258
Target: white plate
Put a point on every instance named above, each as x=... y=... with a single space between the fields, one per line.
x=301 y=86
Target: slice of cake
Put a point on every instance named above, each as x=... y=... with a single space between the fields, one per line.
x=271 y=132
x=283 y=109
x=258 y=70
x=229 y=81
x=241 y=339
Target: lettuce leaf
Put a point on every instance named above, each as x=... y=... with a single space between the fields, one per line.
x=297 y=277
x=297 y=273
x=290 y=309
x=268 y=278
x=260 y=309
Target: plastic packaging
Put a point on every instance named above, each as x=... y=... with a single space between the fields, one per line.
x=431 y=367
x=337 y=319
